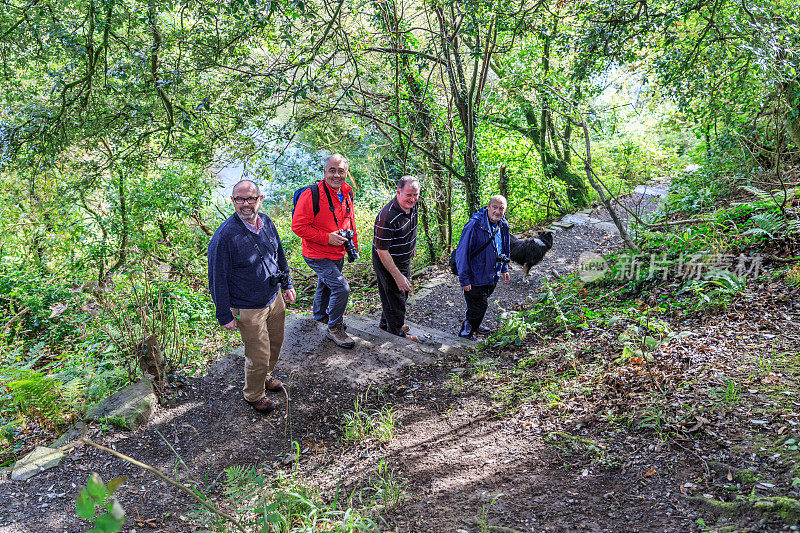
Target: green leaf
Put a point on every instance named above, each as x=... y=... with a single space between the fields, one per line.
x=650 y=342
x=115 y=483
x=106 y=523
x=84 y=505
x=96 y=488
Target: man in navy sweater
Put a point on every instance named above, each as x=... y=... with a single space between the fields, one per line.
x=247 y=270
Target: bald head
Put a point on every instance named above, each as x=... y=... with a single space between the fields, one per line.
x=246 y=188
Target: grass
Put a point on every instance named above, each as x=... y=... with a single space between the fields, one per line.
x=282 y=503
x=387 y=486
x=361 y=424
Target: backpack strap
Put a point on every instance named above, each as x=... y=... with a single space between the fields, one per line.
x=479 y=250
x=315 y=197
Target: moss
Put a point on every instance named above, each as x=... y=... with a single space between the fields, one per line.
x=116 y=421
x=787 y=508
x=718 y=507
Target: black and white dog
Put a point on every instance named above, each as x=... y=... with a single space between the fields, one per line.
x=529 y=252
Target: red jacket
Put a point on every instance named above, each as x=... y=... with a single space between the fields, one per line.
x=314 y=230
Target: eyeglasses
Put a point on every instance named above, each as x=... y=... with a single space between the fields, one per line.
x=251 y=200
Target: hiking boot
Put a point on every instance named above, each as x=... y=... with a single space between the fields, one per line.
x=324 y=320
x=337 y=334
x=483 y=330
x=273 y=384
x=264 y=405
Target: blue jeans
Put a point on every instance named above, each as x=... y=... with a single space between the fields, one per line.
x=330 y=298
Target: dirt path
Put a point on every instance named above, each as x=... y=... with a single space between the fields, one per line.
x=442 y=304
x=464 y=465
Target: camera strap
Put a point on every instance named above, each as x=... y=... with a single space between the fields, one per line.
x=479 y=250
x=492 y=236
x=330 y=205
x=258 y=249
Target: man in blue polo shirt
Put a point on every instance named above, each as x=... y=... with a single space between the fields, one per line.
x=247 y=270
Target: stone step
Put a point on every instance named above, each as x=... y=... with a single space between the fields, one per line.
x=430 y=340
x=377 y=356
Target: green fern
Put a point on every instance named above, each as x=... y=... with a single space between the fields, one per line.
x=242 y=482
x=35 y=395
x=766 y=223
x=773 y=198
x=761 y=195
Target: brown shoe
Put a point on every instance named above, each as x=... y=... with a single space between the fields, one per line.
x=405 y=328
x=264 y=405
x=337 y=334
x=273 y=384
x=410 y=337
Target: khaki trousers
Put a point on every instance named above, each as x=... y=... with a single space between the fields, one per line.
x=262 y=333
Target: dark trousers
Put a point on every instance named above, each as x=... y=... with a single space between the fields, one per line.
x=477 y=300
x=393 y=301
x=330 y=298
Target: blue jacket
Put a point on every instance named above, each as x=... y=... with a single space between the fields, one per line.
x=236 y=274
x=483 y=269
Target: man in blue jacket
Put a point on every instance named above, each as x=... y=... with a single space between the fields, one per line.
x=482 y=257
x=247 y=270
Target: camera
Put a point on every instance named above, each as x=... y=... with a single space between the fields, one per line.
x=350 y=248
x=503 y=258
x=281 y=278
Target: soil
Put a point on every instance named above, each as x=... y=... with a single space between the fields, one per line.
x=467 y=463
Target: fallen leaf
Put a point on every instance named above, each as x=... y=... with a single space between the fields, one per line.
x=782 y=429
x=650 y=472
x=730 y=475
x=57 y=308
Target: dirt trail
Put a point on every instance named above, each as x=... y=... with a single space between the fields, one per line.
x=461 y=462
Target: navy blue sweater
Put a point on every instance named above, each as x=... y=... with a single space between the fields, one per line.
x=237 y=277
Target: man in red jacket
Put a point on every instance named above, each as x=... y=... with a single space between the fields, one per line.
x=323 y=244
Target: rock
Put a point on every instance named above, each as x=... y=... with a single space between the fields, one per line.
x=661 y=192
x=130 y=407
x=563 y=224
x=70 y=435
x=41 y=458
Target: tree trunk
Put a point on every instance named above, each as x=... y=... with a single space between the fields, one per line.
x=502 y=182
x=623 y=232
